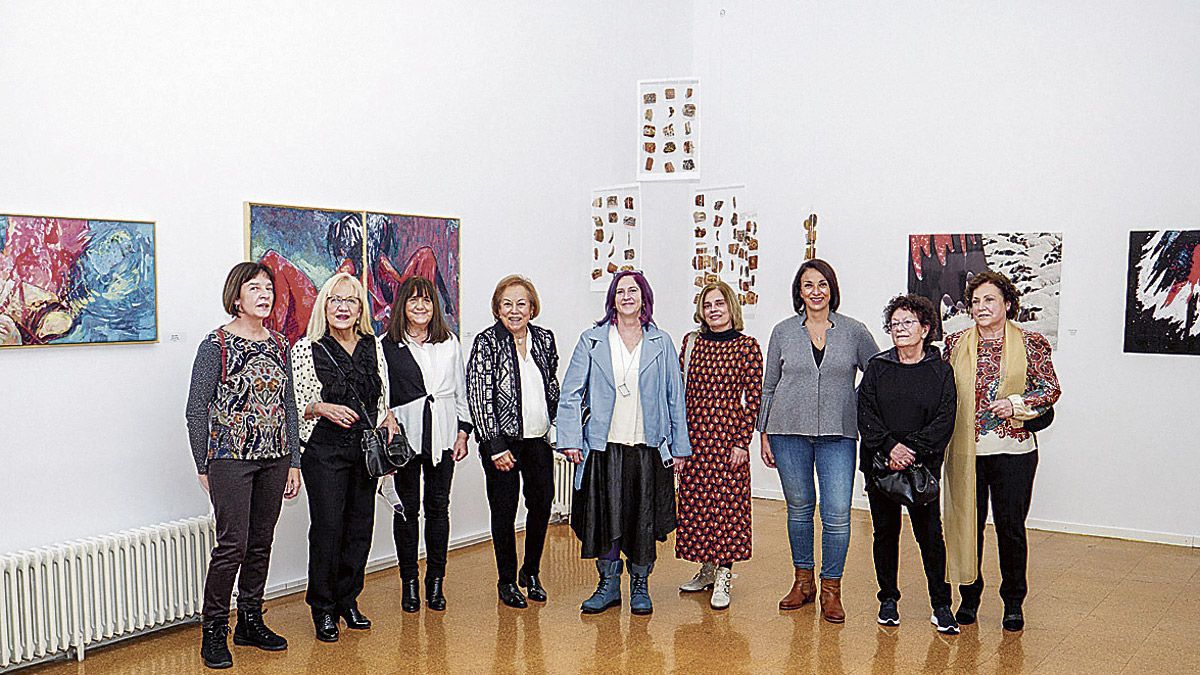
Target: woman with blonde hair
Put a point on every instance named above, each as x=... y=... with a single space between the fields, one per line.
x=722 y=373
x=342 y=392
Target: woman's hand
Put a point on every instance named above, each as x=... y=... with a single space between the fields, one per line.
x=768 y=457
x=738 y=457
x=392 y=426
x=573 y=454
x=680 y=463
x=292 y=488
x=1002 y=408
x=901 y=457
x=505 y=462
x=460 y=446
x=338 y=414
x=203 y=478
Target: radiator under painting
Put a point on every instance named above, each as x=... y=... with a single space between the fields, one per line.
x=62 y=599
x=564 y=486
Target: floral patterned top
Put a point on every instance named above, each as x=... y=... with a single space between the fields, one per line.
x=992 y=434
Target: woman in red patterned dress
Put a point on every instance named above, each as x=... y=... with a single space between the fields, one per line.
x=722 y=371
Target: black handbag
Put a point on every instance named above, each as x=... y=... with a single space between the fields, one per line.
x=381 y=457
x=1040 y=422
x=914 y=485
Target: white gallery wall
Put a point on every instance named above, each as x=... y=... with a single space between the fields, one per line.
x=887 y=119
x=503 y=114
x=884 y=120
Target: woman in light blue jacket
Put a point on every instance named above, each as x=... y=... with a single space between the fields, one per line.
x=621 y=419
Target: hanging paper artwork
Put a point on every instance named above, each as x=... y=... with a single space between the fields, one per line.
x=725 y=243
x=305 y=246
x=668 y=129
x=73 y=281
x=1162 y=300
x=616 y=229
x=939 y=266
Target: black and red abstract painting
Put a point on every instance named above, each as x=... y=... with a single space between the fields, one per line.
x=1162 y=301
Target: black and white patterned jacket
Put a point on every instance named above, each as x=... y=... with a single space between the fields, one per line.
x=494 y=384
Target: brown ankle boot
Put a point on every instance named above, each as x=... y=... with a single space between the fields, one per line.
x=803 y=590
x=831 y=601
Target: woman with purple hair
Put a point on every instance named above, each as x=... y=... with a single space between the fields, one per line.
x=621 y=420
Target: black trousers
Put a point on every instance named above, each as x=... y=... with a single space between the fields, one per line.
x=437 y=514
x=341 y=509
x=246 y=495
x=927 y=528
x=1007 y=480
x=535 y=468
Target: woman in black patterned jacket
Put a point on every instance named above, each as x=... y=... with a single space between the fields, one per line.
x=512 y=387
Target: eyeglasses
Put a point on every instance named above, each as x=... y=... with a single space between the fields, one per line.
x=346 y=302
x=906 y=324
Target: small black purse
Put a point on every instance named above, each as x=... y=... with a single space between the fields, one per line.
x=1040 y=422
x=914 y=485
x=381 y=457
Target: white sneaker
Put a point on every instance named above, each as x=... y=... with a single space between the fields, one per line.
x=722 y=585
x=702 y=580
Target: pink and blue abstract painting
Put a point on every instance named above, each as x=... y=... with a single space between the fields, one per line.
x=76 y=281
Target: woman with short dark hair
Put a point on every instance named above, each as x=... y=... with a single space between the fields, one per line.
x=242 y=423
x=428 y=396
x=1005 y=378
x=906 y=407
x=512 y=386
x=809 y=423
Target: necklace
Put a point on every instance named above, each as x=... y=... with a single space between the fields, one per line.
x=626 y=366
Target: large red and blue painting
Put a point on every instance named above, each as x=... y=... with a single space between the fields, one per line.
x=306 y=246
x=1162 y=302
x=73 y=281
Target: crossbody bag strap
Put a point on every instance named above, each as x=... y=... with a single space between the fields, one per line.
x=369 y=418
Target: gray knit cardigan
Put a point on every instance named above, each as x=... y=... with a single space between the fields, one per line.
x=800 y=398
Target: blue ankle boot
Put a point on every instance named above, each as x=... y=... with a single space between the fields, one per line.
x=639 y=588
x=608 y=590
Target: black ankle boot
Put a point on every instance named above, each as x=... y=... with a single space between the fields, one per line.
x=410 y=595
x=252 y=632
x=434 y=598
x=214 y=644
x=326 y=626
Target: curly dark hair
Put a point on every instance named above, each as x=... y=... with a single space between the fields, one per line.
x=918 y=305
x=1007 y=289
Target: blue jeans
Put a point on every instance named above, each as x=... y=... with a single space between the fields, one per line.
x=833 y=458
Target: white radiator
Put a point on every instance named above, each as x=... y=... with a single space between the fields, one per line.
x=64 y=598
x=564 y=485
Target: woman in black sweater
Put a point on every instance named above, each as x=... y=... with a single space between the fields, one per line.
x=906 y=406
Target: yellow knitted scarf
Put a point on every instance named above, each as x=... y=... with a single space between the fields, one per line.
x=962 y=555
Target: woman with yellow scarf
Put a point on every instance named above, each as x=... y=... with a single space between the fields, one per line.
x=1004 y=377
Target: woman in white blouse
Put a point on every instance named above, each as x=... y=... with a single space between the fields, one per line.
x=429 y=398
x=512 y=382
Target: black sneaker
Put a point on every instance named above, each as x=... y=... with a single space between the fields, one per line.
x=888 y=614
x=944 y=621
x=967 y=611
x=1014 y=619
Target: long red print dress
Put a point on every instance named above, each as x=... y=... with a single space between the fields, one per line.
x=723 y=391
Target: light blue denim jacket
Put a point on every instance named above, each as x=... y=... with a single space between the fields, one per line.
x=589 y=384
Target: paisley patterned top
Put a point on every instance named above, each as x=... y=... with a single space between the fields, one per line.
x=242 y=404
x=992 y=434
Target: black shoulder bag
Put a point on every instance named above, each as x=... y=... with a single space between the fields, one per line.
x=382 y=458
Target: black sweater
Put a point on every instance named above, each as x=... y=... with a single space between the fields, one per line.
x=913 y=404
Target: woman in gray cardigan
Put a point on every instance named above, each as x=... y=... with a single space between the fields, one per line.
x=809 y=424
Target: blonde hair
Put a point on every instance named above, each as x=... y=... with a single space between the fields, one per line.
x=318 y=323
x=535 y=305
x=735 y=307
